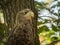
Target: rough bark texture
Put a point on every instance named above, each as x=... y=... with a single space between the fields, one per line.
x=11 y=8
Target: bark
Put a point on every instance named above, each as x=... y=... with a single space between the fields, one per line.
x=11 y=7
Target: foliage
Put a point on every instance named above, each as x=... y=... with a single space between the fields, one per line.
x=2 y=33
x=2 y=29
x=54 y=21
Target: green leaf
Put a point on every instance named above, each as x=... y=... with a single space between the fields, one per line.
x=58 y=4
x=54 y=28
x=43 y=28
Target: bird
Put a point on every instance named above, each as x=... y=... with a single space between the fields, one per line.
x=22 y=33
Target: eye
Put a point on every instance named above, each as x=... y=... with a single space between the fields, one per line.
x=26 y=12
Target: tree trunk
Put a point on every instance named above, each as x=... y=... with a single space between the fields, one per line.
x=11 y=8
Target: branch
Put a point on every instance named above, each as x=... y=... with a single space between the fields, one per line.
x=54 y=42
